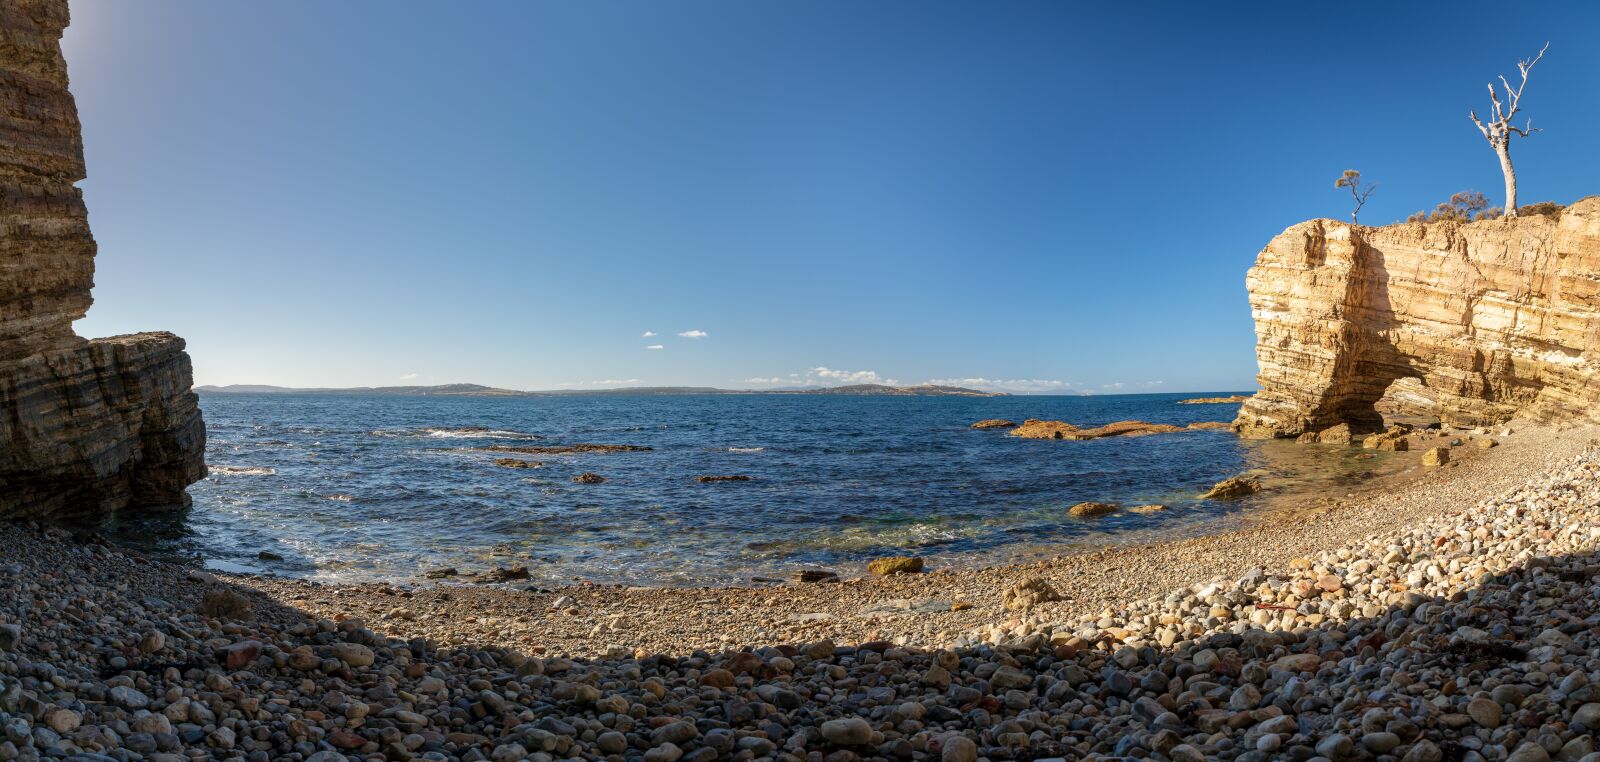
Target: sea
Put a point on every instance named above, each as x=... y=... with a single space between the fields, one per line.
x=354 y=488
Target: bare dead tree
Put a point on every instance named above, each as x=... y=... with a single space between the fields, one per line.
x=1352 y=179
x=1499 y=129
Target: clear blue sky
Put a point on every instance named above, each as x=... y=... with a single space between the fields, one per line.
x=513 y=193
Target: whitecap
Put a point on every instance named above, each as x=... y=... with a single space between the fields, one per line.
x=476 y=432
x=243 y=470
x=746 y=449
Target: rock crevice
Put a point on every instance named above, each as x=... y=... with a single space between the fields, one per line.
x=87 y=428
x=1496 y=319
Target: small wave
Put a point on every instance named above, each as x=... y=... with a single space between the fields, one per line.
x=746 y=449
x=455 y=432
x=478 y=432
x=244 y=470
x=341 y=497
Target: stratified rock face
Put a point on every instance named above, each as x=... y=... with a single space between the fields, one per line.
x=86 y=427
x=1497 y=319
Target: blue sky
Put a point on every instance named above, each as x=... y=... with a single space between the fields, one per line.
x=1024 y=196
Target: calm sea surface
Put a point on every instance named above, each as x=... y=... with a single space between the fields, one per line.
x=377 y=487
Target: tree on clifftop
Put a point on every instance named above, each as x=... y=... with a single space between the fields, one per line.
x=1499 y=129
x=1352 y=179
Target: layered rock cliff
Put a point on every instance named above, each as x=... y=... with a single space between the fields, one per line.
x=86 y=427
x=1497 y=319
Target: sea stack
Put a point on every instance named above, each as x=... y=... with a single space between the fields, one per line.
x=90 y=427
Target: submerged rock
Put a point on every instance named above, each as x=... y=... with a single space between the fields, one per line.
x=516 y=463
x=1391 y=440
x=1088 y=509
x=884 y=567
x=813 y=576
x=588 y=477
x=994 y=423
x=732 y=478
x=1233 y=488
x=502 y=574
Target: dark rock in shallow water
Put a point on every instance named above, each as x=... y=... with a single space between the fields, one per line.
x=733 y=478
x=588 y=477
x=812 y=576
x=994 y=423
x=502 y=574
x=516 y=463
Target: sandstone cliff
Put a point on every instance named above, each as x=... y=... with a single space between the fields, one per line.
x=1497 y=319
x=86 y=427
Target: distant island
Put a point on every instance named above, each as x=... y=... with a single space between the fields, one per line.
x=478 y=390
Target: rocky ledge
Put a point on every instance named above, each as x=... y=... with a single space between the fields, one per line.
x=86 y=427
x=98 y=427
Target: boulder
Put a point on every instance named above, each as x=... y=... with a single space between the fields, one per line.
x=588 y=477
x=1233 y=488
x=1091 y=509
x=884 y=567
x=1436 y=456
x=1029 y=593
x=1034 y=428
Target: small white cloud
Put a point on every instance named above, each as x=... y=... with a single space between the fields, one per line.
x=648 y=334
x=614 y=382
x=656 y=346
x=759 y=380
x=408 y=376
x=1113 y=385
x=1152 y=384
x=695 y=334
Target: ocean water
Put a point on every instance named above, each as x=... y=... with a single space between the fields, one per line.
x=378 y=487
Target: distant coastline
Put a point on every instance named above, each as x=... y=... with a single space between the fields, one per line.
x=478 y=390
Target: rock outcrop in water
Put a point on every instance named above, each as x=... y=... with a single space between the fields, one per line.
x=86 y=427
x=1497 y=319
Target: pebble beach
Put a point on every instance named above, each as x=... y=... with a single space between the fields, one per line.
x=1455 y=619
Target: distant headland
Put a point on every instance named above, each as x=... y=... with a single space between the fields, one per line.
x=478 y=390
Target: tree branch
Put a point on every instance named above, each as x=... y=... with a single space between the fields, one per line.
x=1481 y=127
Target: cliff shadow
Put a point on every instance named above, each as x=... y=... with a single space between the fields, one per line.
x=1361 y=669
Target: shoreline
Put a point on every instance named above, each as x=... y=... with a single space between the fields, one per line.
x=932 y=609
x=1452 y=618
